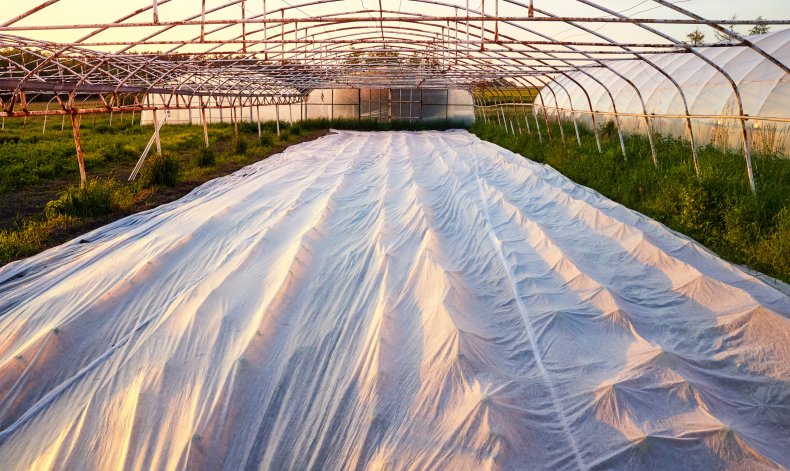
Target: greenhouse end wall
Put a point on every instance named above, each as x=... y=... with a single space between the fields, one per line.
x=368 y=103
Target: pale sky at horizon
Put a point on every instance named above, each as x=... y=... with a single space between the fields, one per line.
x=72 y=12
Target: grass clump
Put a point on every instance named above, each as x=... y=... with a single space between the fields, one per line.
x=161 y=170
x=266 y=139
x=30 y=238
x=240 y=146
x=92 y=199
x=206 y=157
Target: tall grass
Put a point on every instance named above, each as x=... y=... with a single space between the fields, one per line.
x=717 y=208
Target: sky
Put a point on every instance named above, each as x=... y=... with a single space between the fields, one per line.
x=100 y=11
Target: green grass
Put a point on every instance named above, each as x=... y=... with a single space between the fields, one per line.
x=717 y=208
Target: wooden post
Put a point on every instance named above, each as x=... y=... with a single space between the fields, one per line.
x=205 y=125
x=75 y=125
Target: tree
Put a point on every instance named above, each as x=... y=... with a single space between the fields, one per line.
x=696 y=37
x=760 y=27
x=721 y=36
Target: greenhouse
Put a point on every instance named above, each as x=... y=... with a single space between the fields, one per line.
x=378 y=234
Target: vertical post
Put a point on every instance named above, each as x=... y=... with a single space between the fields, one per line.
x=447 y=105
x=258 y=115
x=748 y=153
x=620 y=134
x=277 y=113
x=203 y=21
x=235 y=121
x=483 y=26
x=559 y=122
x=537 y=125
x=75 y=126
x=205 y=125
x=265 y=34
x=332 y=104
x=290 y=113
x=576 y=128
x=650 y=140
x=693 y=146
x=156 y=134
x=156 y=11
x=243 y=28
x=359 y=104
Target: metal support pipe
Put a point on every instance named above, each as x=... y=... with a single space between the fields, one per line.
x=205 y=125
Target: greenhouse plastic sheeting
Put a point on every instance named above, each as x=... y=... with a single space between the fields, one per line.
x=391 y=301
x=764 y=89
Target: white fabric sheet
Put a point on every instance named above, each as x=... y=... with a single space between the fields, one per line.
x=391 y=301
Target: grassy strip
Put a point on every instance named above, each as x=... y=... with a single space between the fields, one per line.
x=717 y=208
x=185 y=164
x=110 y=153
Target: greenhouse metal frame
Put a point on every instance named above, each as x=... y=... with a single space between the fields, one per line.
x=245 y=53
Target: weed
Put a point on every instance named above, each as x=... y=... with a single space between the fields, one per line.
x=161 y=170
x=92 y=199
x=206 y=157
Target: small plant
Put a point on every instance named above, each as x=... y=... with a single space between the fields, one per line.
x=266 y=139
x=161 y=170
x=92 y=199
x=696 y=37
x=295 y=130
x=608 y=129
x=241 y=146
x=206 y=157
x=284 y=136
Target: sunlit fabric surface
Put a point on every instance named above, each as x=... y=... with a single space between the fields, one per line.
x=390 y=301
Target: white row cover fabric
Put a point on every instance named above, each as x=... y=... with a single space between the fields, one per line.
x=764 y=89
x=391 y=301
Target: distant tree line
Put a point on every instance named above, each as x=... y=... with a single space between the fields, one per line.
x=697 y=37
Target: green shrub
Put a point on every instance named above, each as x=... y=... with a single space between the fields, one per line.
x=266 y=139
x=161 y=170
x=284 y=136
x=240 y=147
x=295 y=130
x=93 y=199
x=206 y=157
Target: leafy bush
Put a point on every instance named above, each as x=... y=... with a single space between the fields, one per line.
x=284 y=136
x=161 y=170
x=93 y=199
x=266 y=139
x=240 y=148
x=206 y=157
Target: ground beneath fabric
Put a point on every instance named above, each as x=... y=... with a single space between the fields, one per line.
x=391 y=300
